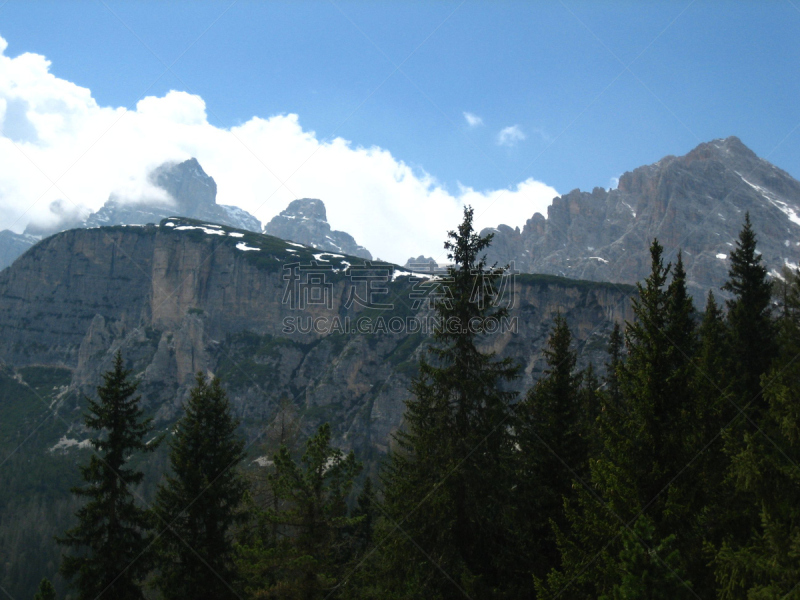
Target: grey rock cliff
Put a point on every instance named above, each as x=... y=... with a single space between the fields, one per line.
x=305 y=221
x=695 y=203
x=177 y=299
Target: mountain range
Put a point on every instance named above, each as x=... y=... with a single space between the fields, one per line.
x=695 y=203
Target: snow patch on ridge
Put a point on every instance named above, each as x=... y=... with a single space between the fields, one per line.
x=204 y=229
x=780 y=204
x=244 y=247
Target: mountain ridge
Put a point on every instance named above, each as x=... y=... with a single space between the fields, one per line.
x=695 y=202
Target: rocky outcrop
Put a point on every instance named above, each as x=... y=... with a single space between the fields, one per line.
x=305 y=221
x=186 y=297
x=695 y=203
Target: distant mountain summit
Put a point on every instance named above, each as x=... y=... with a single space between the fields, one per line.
x=305 y=221
x=194 y=194
x=694 y=202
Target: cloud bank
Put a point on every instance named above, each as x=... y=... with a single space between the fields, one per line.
x=62 y=153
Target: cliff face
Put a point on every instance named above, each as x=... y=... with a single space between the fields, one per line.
x=184 y=297
x=694 y=202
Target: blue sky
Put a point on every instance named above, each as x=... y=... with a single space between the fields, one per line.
x=591 y=89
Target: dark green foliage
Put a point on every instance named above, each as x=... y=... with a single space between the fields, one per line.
x=553 y=445
x=448 y=482
x=110 y=540
x=645 y=431
x=750 y=348
x=302 y=547
x=765 y=472
x=616 y=348
x=649 y=569
x=365 y=510
x=752 y=334
x=47 y=591
x=198 y=504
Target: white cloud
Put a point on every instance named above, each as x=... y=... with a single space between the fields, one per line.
x=473 y=120
x=54 y=130
x=509 y=136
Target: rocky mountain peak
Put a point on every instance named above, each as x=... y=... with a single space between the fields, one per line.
x=305 y=221
x=695 y=202
x=724 y=149
x=194 y=193
x=188 y=184
x=306 y=208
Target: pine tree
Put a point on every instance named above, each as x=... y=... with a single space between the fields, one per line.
x=306 y=560
x=714 y=512
x=750 y=348
x=644 y=444
x=365 y=511
x=765 y=473
x=553 y=448
x=198 y=503
x=47 y=591
x=752 y=335
x=448 y=480
x=650 y=570
x=111 y=537
x=616 y=347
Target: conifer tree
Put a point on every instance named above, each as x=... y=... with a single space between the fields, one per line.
x=643 y=445
x=197 y=505
x=765 y=473
x=111 y=538
x=553 y=447
x=448 y=479
x=616 y=348
x=47 y=591
x=751 y=347
x=365 y=510
x=649 y=570
x=752 y=335
x=715 y=512
x=306 y=560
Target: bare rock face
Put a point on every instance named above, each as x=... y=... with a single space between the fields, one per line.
x=695 y=203
x=182 y=298
x=305 y=221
